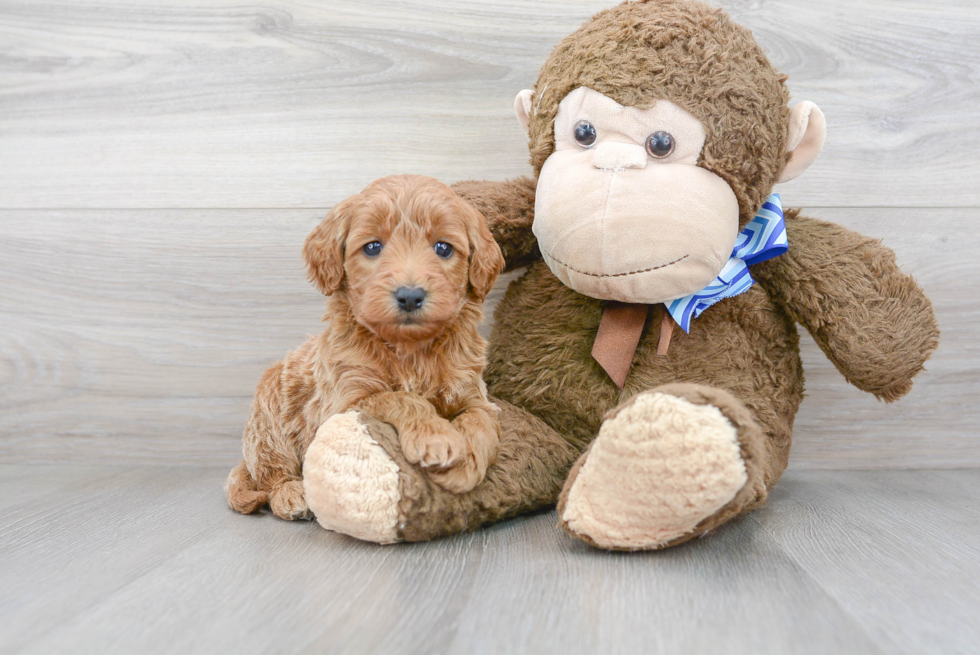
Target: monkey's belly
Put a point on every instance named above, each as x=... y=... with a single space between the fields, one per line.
x=540 y=357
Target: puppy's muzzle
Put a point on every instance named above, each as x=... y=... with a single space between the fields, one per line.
x=409 y=299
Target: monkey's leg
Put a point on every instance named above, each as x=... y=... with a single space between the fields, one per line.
x=669 y=464
x=358 y=482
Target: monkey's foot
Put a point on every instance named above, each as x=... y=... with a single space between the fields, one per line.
x=668 y=465
x=357 y=480
x=351 y=483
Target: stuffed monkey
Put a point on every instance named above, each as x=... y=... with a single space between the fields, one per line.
x=646 y=364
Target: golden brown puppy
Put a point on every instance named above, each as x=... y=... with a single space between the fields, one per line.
x=406 y=264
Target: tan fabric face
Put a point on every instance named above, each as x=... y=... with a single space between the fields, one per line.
x=616 y=224
x=616 y=123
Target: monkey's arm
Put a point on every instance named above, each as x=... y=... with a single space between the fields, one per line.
x=509 y=210
x=872 y=321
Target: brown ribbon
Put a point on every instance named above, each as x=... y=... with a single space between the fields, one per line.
x=666 y=330
x=619 y=334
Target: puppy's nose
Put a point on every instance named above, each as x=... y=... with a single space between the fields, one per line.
x=409 y=298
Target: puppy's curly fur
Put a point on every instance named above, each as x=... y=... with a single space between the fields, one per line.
x=420 y=370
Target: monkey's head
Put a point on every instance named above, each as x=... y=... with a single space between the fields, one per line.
x=657 y=130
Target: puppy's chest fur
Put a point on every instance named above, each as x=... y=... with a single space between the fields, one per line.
x=440 y=384
x=440 y=372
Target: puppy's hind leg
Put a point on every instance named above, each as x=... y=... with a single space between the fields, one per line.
x=243 y=496
x=272 y=470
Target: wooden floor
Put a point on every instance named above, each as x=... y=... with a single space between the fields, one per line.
x=150 y=560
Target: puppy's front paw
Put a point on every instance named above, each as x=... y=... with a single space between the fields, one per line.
x=434 y=444
x=459 y=479
x=288 y=501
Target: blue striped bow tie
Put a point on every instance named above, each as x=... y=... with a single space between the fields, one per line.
x=763 y=238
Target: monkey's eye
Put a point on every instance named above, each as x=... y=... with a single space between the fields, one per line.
x=585 y=134
x=372 y=249
x=660 y=144
x=444 y=250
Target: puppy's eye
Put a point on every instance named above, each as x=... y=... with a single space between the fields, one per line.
x=660 y=144
x=585 y=134
x=372 y=249
x=444 y=250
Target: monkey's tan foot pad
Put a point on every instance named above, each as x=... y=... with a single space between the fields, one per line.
x=659 y=468
x=351 y=483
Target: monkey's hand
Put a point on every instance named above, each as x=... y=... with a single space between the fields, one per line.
x=874 y=322
x=509 y=210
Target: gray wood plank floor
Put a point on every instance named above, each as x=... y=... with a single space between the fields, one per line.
x=149 y=559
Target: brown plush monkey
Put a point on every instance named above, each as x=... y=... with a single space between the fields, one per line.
x=657 y=132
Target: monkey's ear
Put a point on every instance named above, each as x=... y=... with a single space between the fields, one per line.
x=324 y=248
x=522 y=108
x=486 y=259
x=807 y=131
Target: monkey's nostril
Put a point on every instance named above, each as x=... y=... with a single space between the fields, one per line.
x=409 y=298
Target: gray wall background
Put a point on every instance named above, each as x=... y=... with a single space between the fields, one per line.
x=160 y=166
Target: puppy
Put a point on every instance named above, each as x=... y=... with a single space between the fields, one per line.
x=406 y=265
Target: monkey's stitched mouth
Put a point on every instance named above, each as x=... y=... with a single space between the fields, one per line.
x=645 y=270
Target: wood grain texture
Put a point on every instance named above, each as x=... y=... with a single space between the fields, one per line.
x=867 y=538
x=297 y=104
x=138 y=336
x=150 y=560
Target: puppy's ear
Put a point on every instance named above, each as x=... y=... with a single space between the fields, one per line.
x=486 y=260
x=324 y=248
